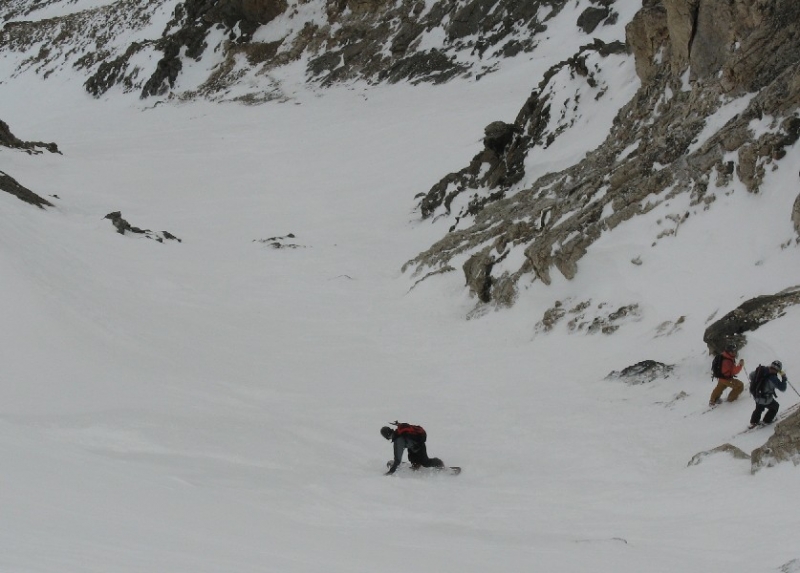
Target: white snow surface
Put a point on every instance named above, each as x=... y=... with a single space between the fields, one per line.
x=214 y=405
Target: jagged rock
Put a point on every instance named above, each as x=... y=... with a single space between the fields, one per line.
x=588 y=318
x=501 y=164
x=591 y=18
x=478 y=273
x=7 y=182
x=642 y=372
x=731 y=48
x=610 y=322
x=10 y=185
x=8 y=139
x=558 y=217
x=737 y=453
x=248 y=14
x=188 y=31
x=122 y=226
x=648 y=34
x=770 y=146
x=504 y=290
x=373 y=40
x=749 y=316
x=552 y=316
x=498 y=135
x=682 y=24
x=783 y=445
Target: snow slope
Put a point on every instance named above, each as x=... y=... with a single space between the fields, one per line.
x=214 y=405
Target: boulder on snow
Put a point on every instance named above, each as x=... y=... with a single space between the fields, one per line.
x=592 y=17
x=782 y=446
x=122 y=226
x=642 y=372
x=283 y=242
x=749 y=316
x=724 y=448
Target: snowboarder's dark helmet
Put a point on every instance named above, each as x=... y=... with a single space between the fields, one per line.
x=731 y=349
x=387 y=432
x=777 y=365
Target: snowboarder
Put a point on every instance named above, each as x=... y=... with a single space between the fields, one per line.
x=728 y=369
x=411 y=438
x=764 y=380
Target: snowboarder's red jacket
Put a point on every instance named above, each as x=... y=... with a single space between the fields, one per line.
x=729 y=366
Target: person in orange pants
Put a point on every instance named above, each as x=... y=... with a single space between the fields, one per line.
x=728 y=370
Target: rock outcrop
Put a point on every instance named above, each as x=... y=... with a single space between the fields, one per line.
x=511 y=216
x=340 y=40
x=8 y=139
x=642 y=372
x=782 y=446
x=729 y=449
x=122 y=226
x=731 y=328
x=12 y=186
x=692 y=58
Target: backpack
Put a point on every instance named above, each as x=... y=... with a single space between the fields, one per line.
x=411 y=431
x=757 y=382
x=716 y=366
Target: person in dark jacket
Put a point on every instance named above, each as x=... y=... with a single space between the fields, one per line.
x=730 y=368
x=405 y=438
x=772 y=378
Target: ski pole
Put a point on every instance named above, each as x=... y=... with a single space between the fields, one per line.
x=793 y=388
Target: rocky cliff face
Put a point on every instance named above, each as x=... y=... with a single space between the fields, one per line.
x=243 y=41
x=694 y=59
x=510 y=216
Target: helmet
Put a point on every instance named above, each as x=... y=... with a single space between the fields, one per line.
x=731 y=349
x=387 y=432
x=777 y=365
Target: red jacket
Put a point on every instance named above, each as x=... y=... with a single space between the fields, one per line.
x=729 y=367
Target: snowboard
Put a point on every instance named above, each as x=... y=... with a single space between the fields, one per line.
x=406 y=467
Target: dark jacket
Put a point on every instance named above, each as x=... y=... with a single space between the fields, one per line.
x=402 y=443
x=770 y=383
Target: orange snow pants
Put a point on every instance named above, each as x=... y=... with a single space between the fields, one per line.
x=735 y=385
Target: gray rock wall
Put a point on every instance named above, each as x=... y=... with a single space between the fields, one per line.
x=731 y=49
x=373 y=40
